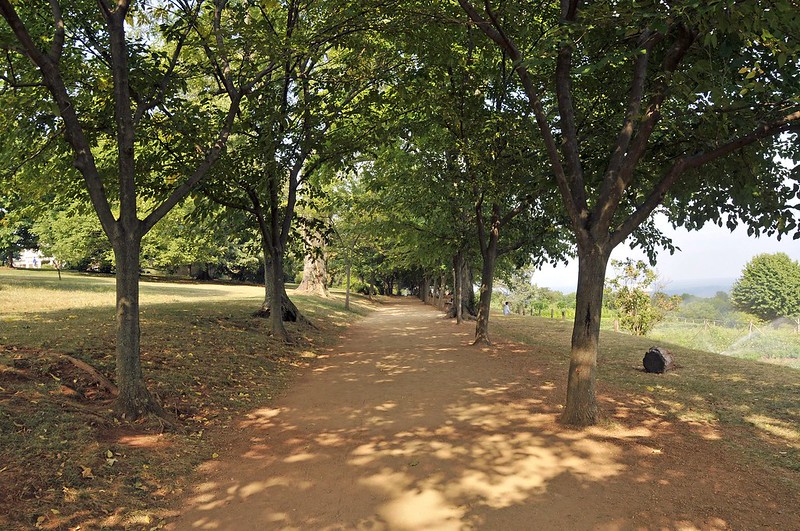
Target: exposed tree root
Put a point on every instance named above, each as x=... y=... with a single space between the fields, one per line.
x=104 y=382
x=482 y=340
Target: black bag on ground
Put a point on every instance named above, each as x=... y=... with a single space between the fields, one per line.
x=658 y=360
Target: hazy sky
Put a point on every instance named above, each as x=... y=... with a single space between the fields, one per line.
x=711 y=253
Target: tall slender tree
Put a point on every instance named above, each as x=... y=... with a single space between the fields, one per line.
x=329 y=72
x=630 y=101
x=131 y=61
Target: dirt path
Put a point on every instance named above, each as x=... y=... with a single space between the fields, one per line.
x=405 y=426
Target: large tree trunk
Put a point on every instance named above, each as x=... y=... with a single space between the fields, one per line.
x=276 y=294
x=468 y=301
x=487 y=281
x=581 y=407
x=134 y=400
x=289 y=311
x=315 y=271
x=464 y=306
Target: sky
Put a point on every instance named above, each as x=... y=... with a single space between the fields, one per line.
x=711 y=254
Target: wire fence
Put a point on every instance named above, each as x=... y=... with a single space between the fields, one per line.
x=777 y=342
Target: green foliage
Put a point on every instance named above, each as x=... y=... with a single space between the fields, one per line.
x=183 y=239
x=75 y=239
x=638 y=310
x=713 y=308
x=769 y=287
x=15 y=235
x=526 y=297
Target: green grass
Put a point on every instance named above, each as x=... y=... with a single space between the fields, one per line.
x=64 y=461
x=757 y=404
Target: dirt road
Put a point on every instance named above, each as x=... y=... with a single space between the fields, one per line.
x=405 y=426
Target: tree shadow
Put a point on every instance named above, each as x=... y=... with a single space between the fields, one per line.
x=407 y=427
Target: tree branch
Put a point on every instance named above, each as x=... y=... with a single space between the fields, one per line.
x=616 y=182
x=214 y=152
x=158 y=94
x=228 y=204
x=690 y=162
x=58 y=39
x=84 y=160
x=647 y=40
x=481 y=225
x=574 y=199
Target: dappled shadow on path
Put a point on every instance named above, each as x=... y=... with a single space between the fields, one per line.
x=406 y=427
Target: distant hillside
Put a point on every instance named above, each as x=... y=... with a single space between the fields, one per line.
x=700 y=288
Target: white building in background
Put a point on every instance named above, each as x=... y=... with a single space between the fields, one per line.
x=32 y=259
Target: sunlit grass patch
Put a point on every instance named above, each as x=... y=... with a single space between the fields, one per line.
x=779 y=428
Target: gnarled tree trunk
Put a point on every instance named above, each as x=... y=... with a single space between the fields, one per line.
x=276 y=294
x=489 y=251
x=289 y=310
x=464 y=295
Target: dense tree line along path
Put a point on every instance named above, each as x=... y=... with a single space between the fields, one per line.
x=404 y=425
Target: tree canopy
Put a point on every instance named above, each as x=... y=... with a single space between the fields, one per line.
x=492 y=134
x=769 y=287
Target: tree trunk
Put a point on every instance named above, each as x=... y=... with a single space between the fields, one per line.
x=464 y=306
x=458 y=295
x=469 y=304
x=347 y=289
x=134 y=400
x=315 y=272
x=581 y=408
x=276 y=294
x=289 y=311
x=487 y=281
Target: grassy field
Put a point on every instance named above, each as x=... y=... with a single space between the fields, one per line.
x=64 y=461
x=756 y=404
